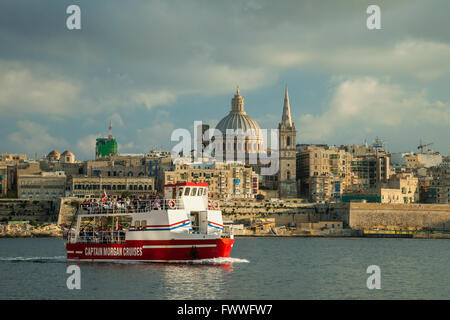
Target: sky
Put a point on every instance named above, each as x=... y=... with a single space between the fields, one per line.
x=154 y=66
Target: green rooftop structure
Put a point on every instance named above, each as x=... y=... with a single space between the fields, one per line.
x=105 y=147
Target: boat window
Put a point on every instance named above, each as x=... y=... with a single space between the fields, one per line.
x=186 y=191
x=143 y=224
x=194 y=192
x=136 y=225
x=200 y=191
x=180 y=193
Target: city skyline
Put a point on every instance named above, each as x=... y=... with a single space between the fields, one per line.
x=59 y=89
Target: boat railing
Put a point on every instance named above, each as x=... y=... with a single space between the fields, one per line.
x=137 y=206
x=117 y=236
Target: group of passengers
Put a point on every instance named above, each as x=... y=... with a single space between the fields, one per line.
x=116 y=205
x=102 y=234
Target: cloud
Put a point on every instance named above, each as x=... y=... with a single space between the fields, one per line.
x=32 y=137
x=367 y=105
x=158 y=135
x=151 y=99
x=85 y=147
x=130 y=60
x=117 y=120
x=38 y=91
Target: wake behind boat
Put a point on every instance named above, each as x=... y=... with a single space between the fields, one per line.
x=183 y=226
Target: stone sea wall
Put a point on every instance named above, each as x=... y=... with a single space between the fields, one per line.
x=417 y=216
x=285 y=213
x=32 y=210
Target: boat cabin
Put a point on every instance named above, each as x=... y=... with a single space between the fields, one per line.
x=194 y=195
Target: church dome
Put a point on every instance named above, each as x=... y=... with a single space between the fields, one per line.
x=67 y=157
x=53 y=155
x=246 y=136
x=67 y=153
x=238 y=118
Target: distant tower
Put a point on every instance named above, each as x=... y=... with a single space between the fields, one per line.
x=106 y=147
x=287 y=186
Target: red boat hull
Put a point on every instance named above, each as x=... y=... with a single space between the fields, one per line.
x=152 y=250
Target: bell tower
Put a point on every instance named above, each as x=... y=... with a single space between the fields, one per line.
x=287 y=185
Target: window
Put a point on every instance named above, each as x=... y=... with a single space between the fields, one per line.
x=180 y=192
x=194 y=192
x=186 y=191
x=200 y=191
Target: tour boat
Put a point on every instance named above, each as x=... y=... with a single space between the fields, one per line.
x=183 y=226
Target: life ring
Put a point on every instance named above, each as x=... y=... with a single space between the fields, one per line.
x=215 y=205
x=172 y=204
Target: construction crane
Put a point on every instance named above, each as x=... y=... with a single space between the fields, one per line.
x=421 y=146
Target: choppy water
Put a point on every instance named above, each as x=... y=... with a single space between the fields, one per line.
x=259 y=268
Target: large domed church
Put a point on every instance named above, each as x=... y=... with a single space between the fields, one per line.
x=241 y=139
x=240 y=135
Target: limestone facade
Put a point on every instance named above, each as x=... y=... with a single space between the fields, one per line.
x=225 y=180
x=44 y=185
x=93 y=187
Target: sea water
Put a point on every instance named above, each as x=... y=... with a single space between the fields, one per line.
x=259 y=268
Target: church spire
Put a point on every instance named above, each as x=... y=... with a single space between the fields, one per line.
x=286 y=119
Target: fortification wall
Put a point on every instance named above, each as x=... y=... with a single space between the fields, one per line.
x=419 y=216
x=68 y=207
x=24 y=209
x=285 y=213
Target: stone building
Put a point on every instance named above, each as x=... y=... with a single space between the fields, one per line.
x=287 y=185
x=93 y=187
x=43 y=185
x=225 y=180
x=12 y=158
x=438 y=188
x=144 y=165
x=423 y=160
x=324 y=165
x=325 y=188
x=3 y=180
x=371 y=169
x=401 y=188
